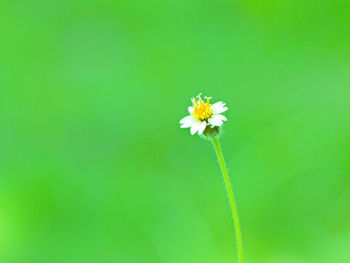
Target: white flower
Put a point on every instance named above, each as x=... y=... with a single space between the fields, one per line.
x=203 y=114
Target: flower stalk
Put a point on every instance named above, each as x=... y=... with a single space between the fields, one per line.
x=231 y=197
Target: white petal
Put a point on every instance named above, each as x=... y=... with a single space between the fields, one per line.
x=186 y=125
x=220 y=103
x=222 y=117
x=195 y=127
x=215 y=120
x=190 y=109
x=202 y=128
x=218 y=107
x=187 y=119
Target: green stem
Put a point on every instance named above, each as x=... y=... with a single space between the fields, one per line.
x=231 y=197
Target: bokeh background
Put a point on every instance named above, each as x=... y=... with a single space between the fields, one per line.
x=94 y=167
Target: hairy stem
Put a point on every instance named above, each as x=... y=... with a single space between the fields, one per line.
x=231 y=197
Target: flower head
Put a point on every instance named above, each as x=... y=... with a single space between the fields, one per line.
x=203 y=115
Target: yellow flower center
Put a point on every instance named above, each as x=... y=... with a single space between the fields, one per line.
x=201 y=109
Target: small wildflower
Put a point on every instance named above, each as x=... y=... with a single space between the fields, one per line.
x=204 y=116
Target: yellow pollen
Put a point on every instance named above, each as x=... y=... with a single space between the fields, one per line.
x=201 y=109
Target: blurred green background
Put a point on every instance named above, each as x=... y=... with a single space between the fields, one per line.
x=93 y=164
